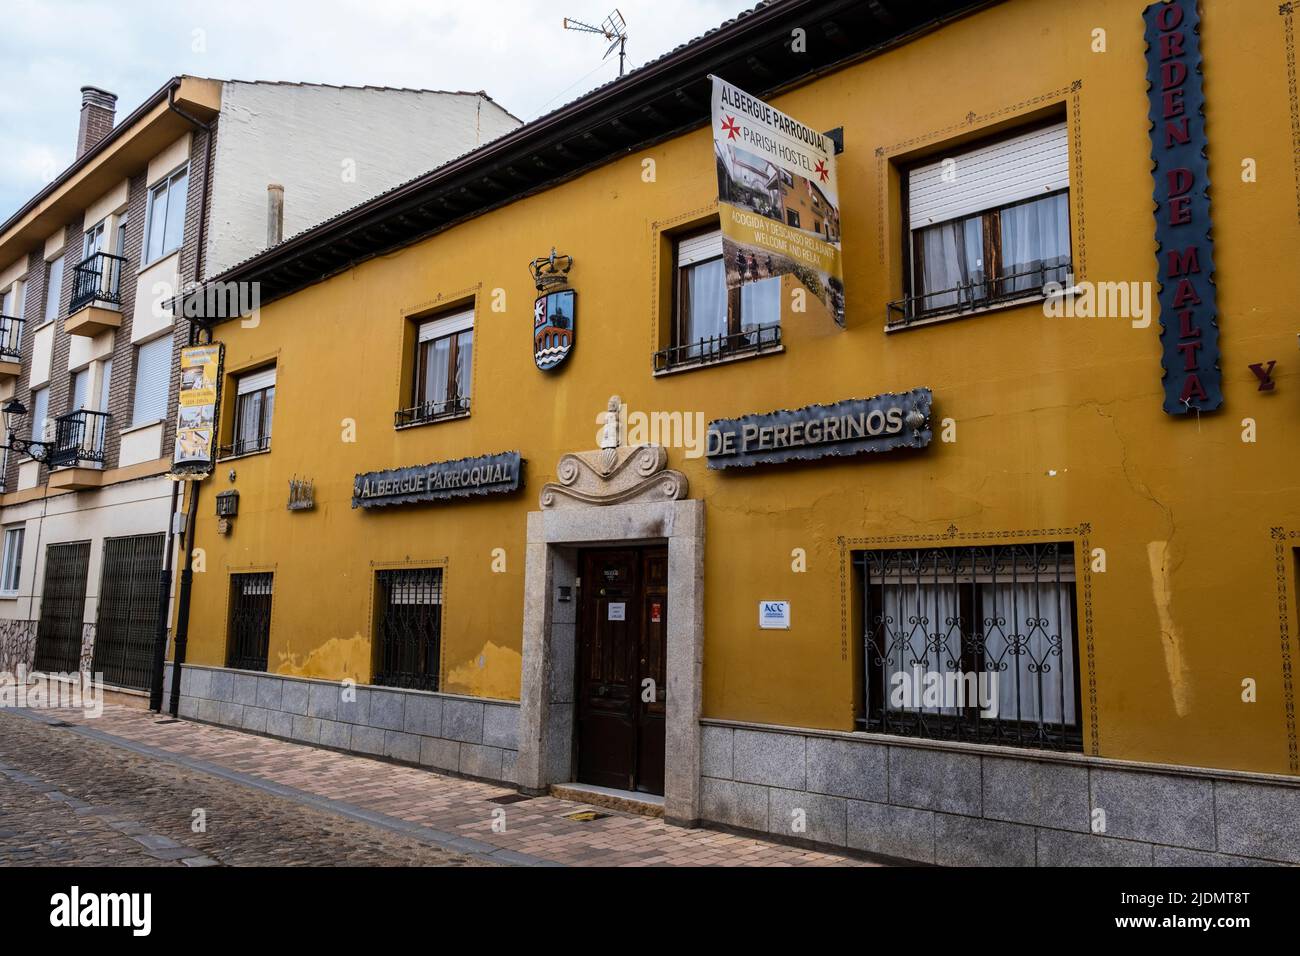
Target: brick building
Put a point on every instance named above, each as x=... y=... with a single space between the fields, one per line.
x=203 y=174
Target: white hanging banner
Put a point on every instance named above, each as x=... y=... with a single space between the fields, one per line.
x=778 y=197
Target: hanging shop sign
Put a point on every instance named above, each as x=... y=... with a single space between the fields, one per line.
x=1189 y=330
x=555 y=317
x=778 y=197
x=852 y=427
x=439 y=481
x=196 y=410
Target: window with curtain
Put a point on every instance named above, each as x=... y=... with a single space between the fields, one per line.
x=53 y=287
x=713 y=321
x=152 y=377
x=254 y=405
x=165 y=216
x=989 y=224
x=12 y=567
x=972 y=644
x=40 y=412
x=442 y=368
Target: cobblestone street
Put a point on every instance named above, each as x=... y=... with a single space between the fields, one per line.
x=66 y=799
x=124 y=789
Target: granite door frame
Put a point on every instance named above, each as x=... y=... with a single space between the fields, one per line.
x=546 y=700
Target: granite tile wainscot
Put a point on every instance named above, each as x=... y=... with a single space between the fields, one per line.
x=929 y=801
x=471 y=736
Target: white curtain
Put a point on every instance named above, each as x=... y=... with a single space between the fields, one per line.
x=706 y=291
x=760 y=303
x=437 y=369
x=1035 y=243
x=464 y=362
x=952 y=255
x=1029 y=634
x=922 y=632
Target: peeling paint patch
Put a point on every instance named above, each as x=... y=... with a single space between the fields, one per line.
x=1170 y=638
x=336 y=659
x=493 y=672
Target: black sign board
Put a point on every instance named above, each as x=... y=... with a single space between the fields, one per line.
x=852 y=427
x=439 y=481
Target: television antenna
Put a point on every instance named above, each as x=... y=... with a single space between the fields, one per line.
x=613 y=27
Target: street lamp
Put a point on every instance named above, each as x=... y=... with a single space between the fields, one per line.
x=14 y=412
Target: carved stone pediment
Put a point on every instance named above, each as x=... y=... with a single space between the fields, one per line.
x=599 y=478
x=613 y=474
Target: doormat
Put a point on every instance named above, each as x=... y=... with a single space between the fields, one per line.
x=510 y=798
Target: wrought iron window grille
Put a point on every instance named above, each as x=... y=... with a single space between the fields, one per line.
x=250 y=620
x=994 y=623
x=408 y=627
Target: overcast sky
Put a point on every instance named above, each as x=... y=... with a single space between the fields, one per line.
x=515 y=50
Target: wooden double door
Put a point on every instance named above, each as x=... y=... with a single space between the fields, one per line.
x=621 y=675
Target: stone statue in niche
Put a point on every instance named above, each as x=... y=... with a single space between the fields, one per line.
x=613 y=473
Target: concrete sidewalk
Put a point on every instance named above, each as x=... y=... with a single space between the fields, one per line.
x=485 y=821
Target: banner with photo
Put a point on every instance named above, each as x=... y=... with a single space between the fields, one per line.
x=778 y=197
x=196 y=411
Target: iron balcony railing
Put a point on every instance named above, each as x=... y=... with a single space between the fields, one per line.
x=244 y=446
x=97 y=279
x=980 y=293
x=11 y=338
x=432 y=412
x=79 y=436
x=750 y=341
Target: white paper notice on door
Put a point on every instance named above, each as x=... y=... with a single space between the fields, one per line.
x=618 y=610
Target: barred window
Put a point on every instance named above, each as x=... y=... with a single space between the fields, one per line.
x=408 y=627
x=248 y=641
x=972 y=643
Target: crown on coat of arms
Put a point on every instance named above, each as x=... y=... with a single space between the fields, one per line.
x=550 y=271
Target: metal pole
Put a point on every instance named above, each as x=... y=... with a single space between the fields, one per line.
x=183 y=600
x=164 y=600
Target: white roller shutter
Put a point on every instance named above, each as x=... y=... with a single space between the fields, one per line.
x=153 y=372
x=1024 y=166
x=255 y=381
x=446 y=325
x=699 y=248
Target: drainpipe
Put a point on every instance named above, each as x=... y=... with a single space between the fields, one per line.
x=183 y=596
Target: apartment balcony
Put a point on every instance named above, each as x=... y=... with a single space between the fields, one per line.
x=11 y=340
x=96 y=296
x=78 y=452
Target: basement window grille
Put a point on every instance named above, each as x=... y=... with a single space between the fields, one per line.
x=408 y=628
x=250 y=620
x=972 y=643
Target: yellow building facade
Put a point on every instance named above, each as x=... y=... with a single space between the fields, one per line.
x=1166 y=545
